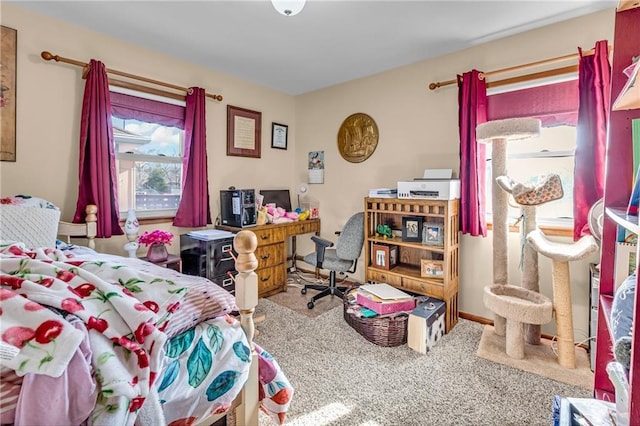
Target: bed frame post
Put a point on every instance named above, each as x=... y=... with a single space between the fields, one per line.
x=87 y=230
x=245 y=243
x=91 y=220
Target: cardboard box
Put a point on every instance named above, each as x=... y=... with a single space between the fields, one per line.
x=384 y=256
x=383 y=307
x=426 y=325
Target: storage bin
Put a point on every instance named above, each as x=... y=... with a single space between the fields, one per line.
x=386 y=331
x=426 y=325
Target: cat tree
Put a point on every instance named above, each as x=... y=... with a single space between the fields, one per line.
x=513 y=306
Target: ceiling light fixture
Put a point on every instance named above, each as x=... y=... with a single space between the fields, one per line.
x=288 y=8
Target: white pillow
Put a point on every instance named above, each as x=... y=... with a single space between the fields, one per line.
x=30 y=220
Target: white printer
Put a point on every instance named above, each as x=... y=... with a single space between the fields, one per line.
x=436 y=184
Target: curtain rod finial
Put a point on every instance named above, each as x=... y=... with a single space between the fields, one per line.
x=47 y=56
x=433 y=86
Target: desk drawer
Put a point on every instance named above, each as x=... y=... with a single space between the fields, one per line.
x=271 y=279
x=270 y=255
x=269 y=235
x=423 y=287
x=303 y=227
x=383 y=277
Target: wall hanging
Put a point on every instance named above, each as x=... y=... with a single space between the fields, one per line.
x=357 y=137
x=8 y=94
x=244 y=128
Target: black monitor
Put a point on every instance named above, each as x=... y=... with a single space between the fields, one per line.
x=280 y=197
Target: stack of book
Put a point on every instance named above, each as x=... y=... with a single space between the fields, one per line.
x=384 y=299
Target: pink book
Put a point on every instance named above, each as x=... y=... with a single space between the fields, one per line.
x=386 y=306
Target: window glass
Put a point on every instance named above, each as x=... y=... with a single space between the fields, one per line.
x=531 y=159
x=149 y=167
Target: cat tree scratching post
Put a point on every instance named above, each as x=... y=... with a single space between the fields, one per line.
x=530 y=277
x=498 y=133
x=561 y=254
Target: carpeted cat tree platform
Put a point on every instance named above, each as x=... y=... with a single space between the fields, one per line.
x=513 y=307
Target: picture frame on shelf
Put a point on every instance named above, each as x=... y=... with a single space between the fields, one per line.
x=432 y=268
x=279 y=135
x=432 y=234
x=412 y=228
x=244 y=128
x=384 y=256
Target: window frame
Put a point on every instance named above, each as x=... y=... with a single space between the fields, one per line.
x=149 y=158
x=551 y=226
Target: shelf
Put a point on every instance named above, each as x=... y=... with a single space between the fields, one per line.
x=629 y=97
x=409 y=271
x=620 y=216
x=399 y=242
x=410 y=255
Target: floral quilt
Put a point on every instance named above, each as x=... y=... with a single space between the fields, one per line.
x=125 y=311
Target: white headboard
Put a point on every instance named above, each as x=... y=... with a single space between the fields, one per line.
x=34 y=226
x=36 y=223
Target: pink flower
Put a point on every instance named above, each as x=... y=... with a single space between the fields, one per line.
x=157 y=236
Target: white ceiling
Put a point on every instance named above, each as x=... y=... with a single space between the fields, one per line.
x=329 y=42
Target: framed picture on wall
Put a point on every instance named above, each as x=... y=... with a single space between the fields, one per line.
x=8 y=45
x=244 y=128
x=279 y=135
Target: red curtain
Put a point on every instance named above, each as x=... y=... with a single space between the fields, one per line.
x=194 y=210
x=147 y=110
x=97 y=166
x=472 y=110
x=594 y=78
x=554 y=104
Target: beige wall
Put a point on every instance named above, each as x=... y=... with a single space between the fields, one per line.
x=50 y=100
x=418 y=128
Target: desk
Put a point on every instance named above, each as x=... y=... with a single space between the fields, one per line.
x=273 y=240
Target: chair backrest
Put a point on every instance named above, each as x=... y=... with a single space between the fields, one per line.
x=351 y=238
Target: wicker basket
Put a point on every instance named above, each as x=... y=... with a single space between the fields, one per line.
x=385 y=331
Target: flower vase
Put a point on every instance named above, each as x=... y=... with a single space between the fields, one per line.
x=157 y=252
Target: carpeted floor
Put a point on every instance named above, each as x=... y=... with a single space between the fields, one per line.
x=295 y=300
x=342 y=379
x=539 y=359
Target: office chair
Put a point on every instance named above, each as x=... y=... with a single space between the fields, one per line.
x=343 y=258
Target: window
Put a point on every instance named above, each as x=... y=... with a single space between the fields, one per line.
x=527 y=160
x=149 y=147
x=556 y=104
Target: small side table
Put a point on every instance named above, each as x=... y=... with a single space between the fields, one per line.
x=173 y=262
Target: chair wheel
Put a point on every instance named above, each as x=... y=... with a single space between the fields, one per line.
x=310 y=305
x=303 y=291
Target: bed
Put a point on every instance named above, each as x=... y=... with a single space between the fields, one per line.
x=105 y=339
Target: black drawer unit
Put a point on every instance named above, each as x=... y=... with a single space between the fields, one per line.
x=213 y=259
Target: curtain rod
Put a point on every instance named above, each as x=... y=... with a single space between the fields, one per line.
x=47 y=56
x=557 y=71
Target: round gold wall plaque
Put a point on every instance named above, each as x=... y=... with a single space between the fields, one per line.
x=357 y=137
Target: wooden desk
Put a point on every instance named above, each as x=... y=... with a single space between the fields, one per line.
x=273 y=240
